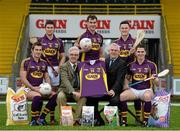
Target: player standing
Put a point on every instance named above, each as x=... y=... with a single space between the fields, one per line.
x=125 y=42
x=97 y=40
x=95 y=53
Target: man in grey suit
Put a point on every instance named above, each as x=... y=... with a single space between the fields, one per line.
x=69 y=87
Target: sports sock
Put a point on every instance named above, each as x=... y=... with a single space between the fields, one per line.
x=137 y=106
x=36 y=107
x=49 y=106
x=147 y=110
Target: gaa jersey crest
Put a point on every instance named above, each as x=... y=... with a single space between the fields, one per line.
x=93 y=79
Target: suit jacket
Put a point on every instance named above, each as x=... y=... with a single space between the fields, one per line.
x=116 y=74
x=67 y=78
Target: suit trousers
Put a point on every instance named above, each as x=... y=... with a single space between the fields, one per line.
x=62 y=101
x=94 y=101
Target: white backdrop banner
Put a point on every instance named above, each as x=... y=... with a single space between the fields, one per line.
x=72 y=26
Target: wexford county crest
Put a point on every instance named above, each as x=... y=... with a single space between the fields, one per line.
x=38 y=68
x=94 y=40
x=139 y=69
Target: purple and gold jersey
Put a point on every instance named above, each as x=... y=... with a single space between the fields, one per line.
x=52 y=48
x=125 y=47
x=141 y=72
x=97 y=42
x=35 y=70
x=93 y=80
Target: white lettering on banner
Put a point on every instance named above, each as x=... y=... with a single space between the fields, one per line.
x=72 y=26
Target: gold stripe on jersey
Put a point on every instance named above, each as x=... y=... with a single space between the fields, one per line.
x=22 y=64
x=105 y=79
x=80 y=75
x=83 y=56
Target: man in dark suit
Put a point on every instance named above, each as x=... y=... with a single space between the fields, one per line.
x=116 y=70
x=69 y=87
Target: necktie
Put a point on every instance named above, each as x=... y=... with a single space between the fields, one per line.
x=111 y=61
x=74 y=67
x=75 y=76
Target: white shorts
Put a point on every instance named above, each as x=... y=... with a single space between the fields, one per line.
x=54 y=80
x=139 y=93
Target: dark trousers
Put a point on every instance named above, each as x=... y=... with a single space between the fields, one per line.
x=94 y=101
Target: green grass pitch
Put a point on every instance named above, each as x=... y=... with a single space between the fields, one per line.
x=174 y=123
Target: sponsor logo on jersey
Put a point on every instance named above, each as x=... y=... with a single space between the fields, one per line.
x=139 y=76
x=50 y=51
x=92 y=76
x=124 y=53
x=37 y=74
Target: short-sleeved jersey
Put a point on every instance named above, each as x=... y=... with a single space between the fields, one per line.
x=52 y=48
x=141 y=72
x=97 y=42
x=35 y=70
x=93 y=79
x=125 y=47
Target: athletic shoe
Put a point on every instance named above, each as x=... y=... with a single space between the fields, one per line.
x=33 y=123
x=145 y=124
x=124 y=124
x=42 y=122
x=76 y=123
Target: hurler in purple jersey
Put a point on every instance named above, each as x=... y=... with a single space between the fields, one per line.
x=32 y=73
x=97 y=40
x=126 y=42
x=139 y=70
x=95 y=53
x=53 y=50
